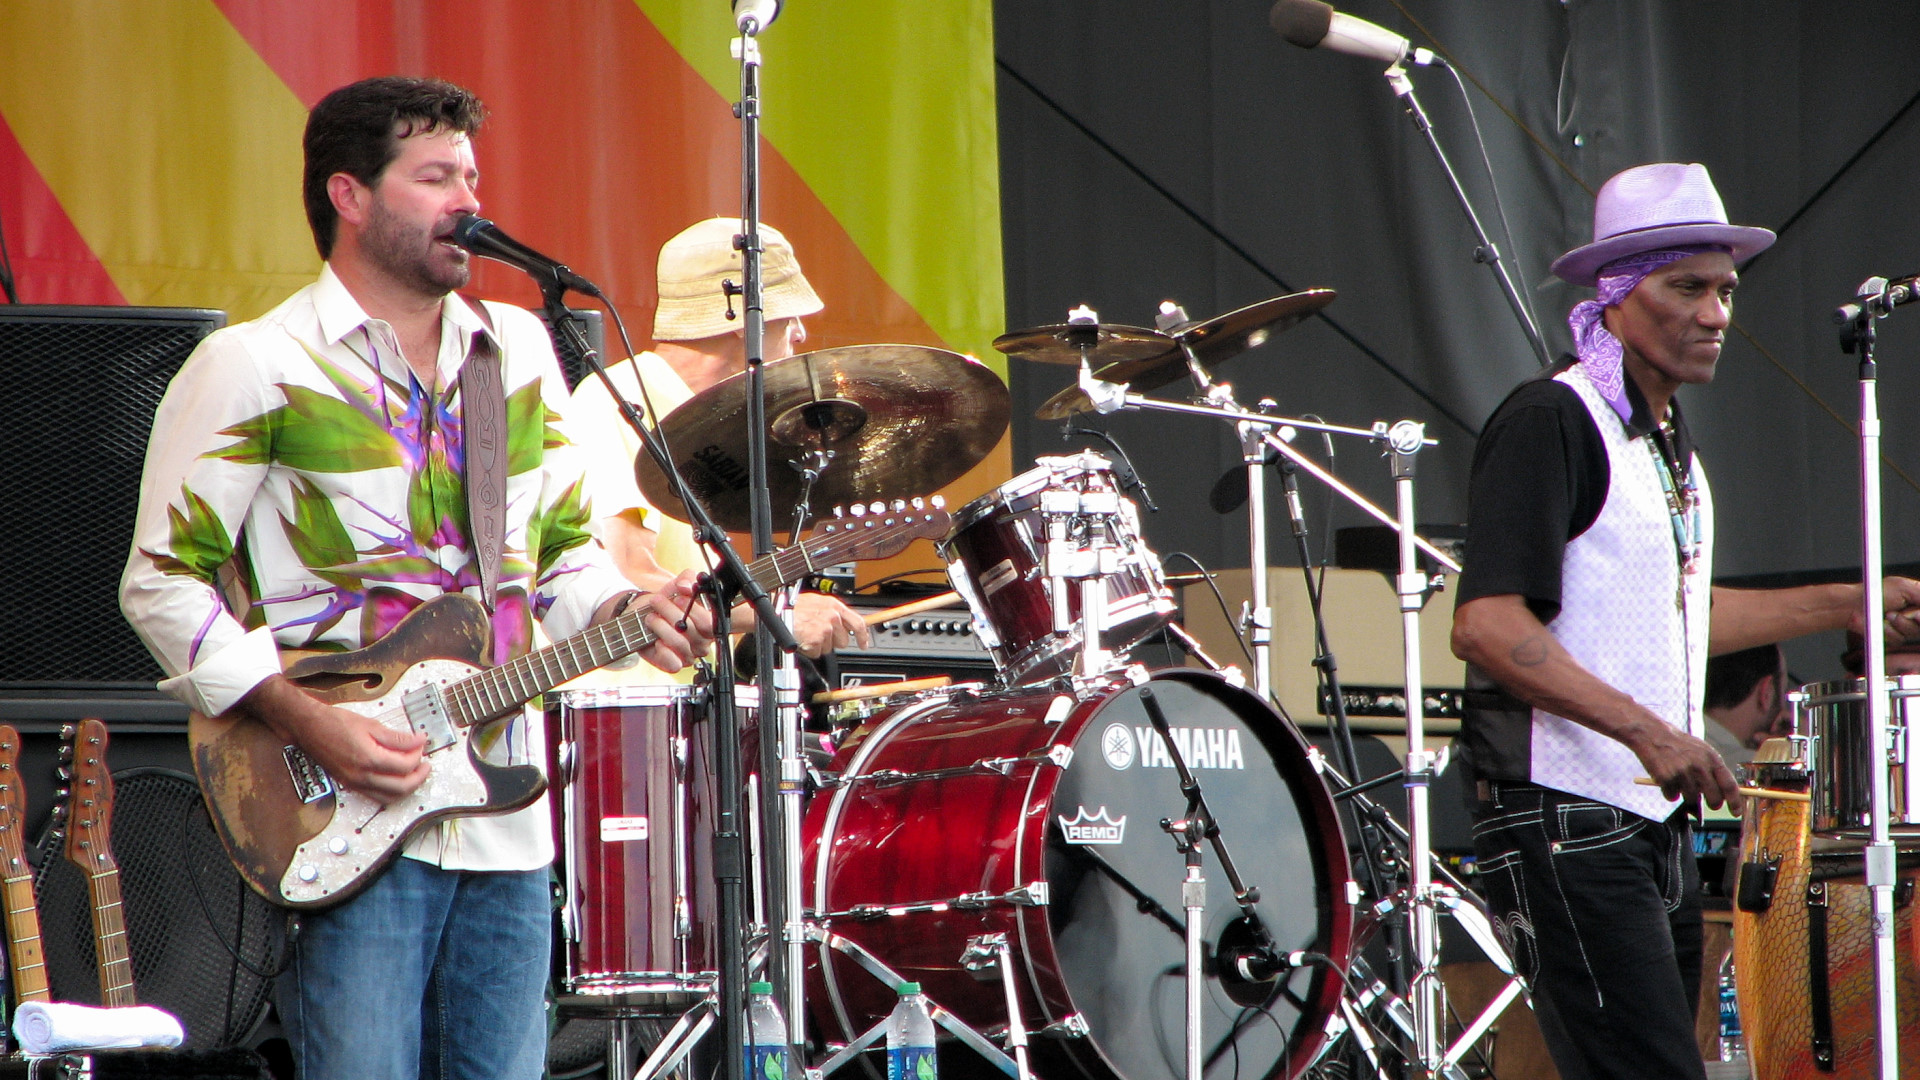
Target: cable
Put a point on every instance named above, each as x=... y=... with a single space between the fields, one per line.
x=1493 y=185
x=1219 y=597
x=1214 y=231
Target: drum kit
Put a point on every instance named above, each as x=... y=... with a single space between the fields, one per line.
x=1029 y=850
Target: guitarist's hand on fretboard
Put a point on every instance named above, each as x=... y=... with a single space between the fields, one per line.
x=358 y=752
x=680 y=620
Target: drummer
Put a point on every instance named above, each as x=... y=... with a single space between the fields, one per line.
x=1584 y=617
x=699 y=342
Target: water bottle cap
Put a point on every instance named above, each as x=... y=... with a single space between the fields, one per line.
x=909 y=987
x=760 y=988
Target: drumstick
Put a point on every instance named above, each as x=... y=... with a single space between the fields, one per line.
x=945 y=599
x=861 y=693
x=1750 y=792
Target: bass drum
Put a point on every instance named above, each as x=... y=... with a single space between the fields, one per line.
x=1036 y=815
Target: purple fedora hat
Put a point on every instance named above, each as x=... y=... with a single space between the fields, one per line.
x=1649 y=207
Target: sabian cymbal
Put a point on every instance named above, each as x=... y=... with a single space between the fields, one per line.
x=1062 y=343
x=1214 y=342
x=901 y=421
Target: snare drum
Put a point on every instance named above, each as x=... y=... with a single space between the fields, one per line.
x=1035 y=815
x=1833 y=715
x=633 y=828
x=996 y=560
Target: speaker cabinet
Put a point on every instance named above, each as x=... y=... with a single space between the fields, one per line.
x=82 y=385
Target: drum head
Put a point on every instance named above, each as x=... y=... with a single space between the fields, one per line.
x=1116 y=906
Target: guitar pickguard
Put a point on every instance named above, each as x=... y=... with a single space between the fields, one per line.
x=364 y=833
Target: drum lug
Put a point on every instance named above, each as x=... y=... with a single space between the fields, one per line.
x=982 y=957
x=1032 y=894
x=1073 y=1027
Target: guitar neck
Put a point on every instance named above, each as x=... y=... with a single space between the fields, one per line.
x=23 y=934
x=110 y=938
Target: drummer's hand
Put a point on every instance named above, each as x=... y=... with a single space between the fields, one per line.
x=1902 y=612
x=1684 y=766
x=824 y=623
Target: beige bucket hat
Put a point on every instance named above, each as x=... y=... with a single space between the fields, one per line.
x=693 y=303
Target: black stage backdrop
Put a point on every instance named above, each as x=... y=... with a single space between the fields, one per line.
x=1167 y=149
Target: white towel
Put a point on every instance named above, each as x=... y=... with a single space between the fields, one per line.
x=57 y=1027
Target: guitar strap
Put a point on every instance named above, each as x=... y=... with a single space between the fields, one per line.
x=483 y=410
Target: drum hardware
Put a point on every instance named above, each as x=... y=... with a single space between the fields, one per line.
x=1057 y=756
x=988 y=956
x=888 y=977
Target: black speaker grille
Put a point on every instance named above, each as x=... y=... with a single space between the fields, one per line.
x=194 y=929
x=82 y=384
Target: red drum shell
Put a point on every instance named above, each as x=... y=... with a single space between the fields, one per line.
x=995 y=561
x=633 y=835
x=924 y=821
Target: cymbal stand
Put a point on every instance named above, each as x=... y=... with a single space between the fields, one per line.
x=1857 y=334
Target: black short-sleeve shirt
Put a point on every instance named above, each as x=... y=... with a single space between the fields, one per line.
x=1539 y=479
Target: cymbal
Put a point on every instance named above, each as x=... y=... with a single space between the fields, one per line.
x=900 y=420
x=1061 y=343
x=1213 y=341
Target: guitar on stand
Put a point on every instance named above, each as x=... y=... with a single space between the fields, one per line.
x=85 y=816
x=25 y=959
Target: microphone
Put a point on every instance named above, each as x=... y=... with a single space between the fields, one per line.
x=1899 y=291
x=484 y=238
x=1311 y=24
x=753 y=16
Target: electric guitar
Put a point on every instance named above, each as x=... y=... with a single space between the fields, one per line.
x=303 y=843
x=88 y=814
x=16 y=878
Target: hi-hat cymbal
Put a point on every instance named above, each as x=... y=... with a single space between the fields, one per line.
x=1213 y=341
x=900 y=420
x=1103 y=343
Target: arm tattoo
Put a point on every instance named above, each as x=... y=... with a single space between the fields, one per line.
x=1530 y=653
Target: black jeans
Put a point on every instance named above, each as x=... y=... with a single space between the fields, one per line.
x=1601 y=910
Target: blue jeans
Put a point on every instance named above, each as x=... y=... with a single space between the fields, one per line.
x=439 y=974
x=1601 y=911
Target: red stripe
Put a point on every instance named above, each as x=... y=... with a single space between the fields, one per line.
x=52 y=263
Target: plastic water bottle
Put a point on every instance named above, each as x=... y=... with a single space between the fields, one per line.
x=910 y=1052
x=766 y=1034
x=1730 y=1044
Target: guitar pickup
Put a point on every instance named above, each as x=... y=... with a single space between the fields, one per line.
x=310 y=782
x=427 y=715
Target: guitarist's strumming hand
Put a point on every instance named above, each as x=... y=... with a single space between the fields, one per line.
x=358 y=752
x=678 y=617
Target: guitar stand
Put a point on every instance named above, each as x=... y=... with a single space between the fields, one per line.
x=984 y=953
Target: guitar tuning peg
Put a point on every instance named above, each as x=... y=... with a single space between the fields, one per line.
x=939 y=502
x=66 y=751
x=859 y=510
x=64 y=775
x=898 y=505
x=919 y=503
x=840 y=511
x=68 y=731
x=878 y=507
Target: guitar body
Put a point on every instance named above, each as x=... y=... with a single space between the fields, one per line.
x=311 y=846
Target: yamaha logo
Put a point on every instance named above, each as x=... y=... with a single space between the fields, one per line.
x=1117 y=744
x=1084 y=828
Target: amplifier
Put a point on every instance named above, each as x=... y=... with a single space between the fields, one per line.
x=939 y=642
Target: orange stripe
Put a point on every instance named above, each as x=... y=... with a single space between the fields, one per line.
x=603 y=142
x=52 y=264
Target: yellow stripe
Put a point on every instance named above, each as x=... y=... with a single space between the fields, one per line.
x=886 y=109
x=169 y=142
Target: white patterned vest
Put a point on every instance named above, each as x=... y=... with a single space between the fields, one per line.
x=1619 y=617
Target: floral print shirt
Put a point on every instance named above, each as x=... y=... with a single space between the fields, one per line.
x=303 y=490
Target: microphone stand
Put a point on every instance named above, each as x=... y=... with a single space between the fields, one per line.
x=1879 y=853
x=729 y=854
x=1486 y=252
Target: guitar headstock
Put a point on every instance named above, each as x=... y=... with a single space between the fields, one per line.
x=13 y=805
x=877 y=530
x=89 y=802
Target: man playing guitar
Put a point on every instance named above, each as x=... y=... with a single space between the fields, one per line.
x=371 y=446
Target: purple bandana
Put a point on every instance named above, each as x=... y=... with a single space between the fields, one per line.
x=1597 y=348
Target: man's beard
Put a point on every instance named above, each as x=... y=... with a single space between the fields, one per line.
x=407 y=254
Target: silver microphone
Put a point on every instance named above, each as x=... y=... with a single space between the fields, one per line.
x=1312 y=24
